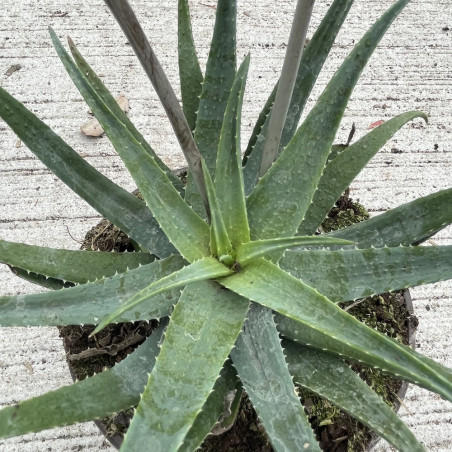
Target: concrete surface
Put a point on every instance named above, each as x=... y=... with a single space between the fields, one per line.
x=411 y=70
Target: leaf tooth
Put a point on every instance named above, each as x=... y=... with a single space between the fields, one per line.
x=284 y=354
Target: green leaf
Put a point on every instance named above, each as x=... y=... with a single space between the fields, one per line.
x=309 y=317
x=123 y=209
x=346 y=275
x=218 y=404
x=69 y=265
x=220 y=245
x=88 y=303
x=40 y=280
x=331 y=378
x=201 y=270
x=203 y=328
x=228 y=172
x=218 y=80
x=110 y=101
x=131 y=27
x=256 y=142
x=103 y=394
x=190 y=234
x=189 y=71
x=311 y=63
x=250 y=251
x=409 y=224
x=342 y=170
x=389 y=359
x=259 y=360
x=280 y=199
x=217 y=84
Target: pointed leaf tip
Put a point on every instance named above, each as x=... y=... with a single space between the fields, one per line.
x=251 y=251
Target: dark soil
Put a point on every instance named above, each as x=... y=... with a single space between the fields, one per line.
x=90 y=355
x=336 y=430
x=107 y=237
x=87 y=356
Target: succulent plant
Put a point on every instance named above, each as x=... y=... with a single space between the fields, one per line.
x=231 y=264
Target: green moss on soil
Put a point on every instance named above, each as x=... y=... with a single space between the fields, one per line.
x=344 y=213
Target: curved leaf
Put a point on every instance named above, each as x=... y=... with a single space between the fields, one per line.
x=109 y=100
x=69 y=265
x=309 y=317
x=109 y=392
x=202 y=331
x=123 y=209
x=190 y=234
x=88 y=303
x=331 y=378
x=41 y=280
x=259 y=360
x=342 y=170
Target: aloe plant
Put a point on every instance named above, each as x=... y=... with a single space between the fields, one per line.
x=231 y=264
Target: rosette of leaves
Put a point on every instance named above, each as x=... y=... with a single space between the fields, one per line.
x=245 y=290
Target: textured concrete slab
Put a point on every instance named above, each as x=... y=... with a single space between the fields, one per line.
x=411 y=70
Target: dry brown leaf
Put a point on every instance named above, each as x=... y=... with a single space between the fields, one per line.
x=28 y=366
x=94 y=129
x=123 y=102
x=13 y=68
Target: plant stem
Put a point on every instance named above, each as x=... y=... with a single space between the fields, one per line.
x=286 y=83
